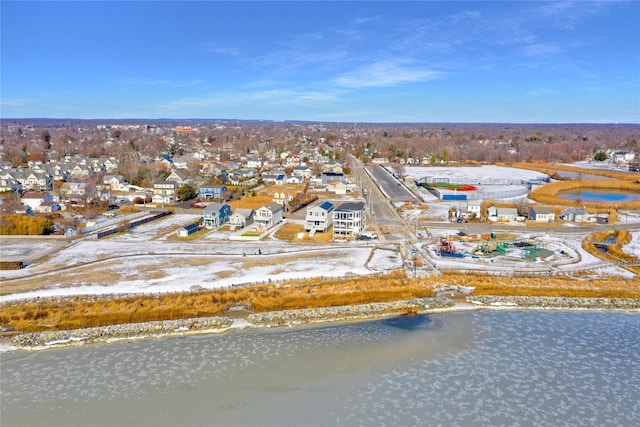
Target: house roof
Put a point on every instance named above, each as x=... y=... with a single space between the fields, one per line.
x=243 y=212
x=327 y=206
x=351 y=206
x=575 y=211
x=34 y=195
x=544 y=210
x=215 y=207
x=190 y=227
x=273 y=207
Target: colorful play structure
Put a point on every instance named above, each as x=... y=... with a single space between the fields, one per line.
x=491 y=247
x=446 y=248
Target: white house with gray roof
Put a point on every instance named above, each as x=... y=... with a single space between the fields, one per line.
x=319 y=217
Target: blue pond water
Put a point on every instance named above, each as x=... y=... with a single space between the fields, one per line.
x=600 y=195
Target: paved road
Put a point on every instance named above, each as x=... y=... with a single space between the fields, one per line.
x=392 y=188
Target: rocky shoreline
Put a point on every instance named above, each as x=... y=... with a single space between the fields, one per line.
x=42 y=340
x=562 y=303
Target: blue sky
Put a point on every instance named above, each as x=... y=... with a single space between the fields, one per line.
x=355 y=61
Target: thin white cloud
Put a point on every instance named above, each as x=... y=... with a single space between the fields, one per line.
x=220 y=50
x=16 y=102
x=540 y=50
x=188 y=83
x=136 y=81
x=384 y=74
x=540 y=92
x=225 y=100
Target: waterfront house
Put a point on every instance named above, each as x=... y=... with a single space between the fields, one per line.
x=349 y=219
x=216 y=215
x=269 y=215
x=241 y=218
x=319 y=217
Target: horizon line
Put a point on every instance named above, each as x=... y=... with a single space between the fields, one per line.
x=316 y=121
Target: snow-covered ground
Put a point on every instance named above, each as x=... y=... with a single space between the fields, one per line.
x=149 y=259
x=473 y=175
x=145 y=260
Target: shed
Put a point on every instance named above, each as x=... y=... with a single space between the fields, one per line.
x=188 y=230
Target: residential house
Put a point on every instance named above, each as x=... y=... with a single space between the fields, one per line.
x=116 y=183
x=243 y=173
x=283 y=198
x=40 y=202
x=334 y=166
x=35 y=180
x=474 y=209
x=80 y=172
x=73 y=191
x=575 y=215
x=294 y=179
x=303 y=171
x=165 y=192
x=176 y=176
x=349 y=219
x=254 y=163
x=338 y=187
x=622 y=157
x=9 y=184
x=541 y=214
x=274 y=178
x=269 y=215
x=293 y=160
x=328 y=177
x=319 y=217
x=111 y=164
x=502 y=214
x=216 y=215
x=241 y=218
x=212 y=191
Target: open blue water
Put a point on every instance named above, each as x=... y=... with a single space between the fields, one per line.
x=465 y=368
x=600 y=195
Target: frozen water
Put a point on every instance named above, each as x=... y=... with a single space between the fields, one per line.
x=468 y=368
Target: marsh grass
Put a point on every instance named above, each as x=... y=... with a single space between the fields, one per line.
x=312 y=293
x=552 y=170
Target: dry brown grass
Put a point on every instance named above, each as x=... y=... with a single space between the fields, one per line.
x=614 y=252
x=312 y=293
x=289 y=232
x=264 y=196
x=546 y=286
x=552 y=170
x=80 y=312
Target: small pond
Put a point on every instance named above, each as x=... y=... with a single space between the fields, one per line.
x=600 y=195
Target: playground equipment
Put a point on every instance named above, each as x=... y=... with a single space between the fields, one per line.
x=446 y=248
x=529 y=252
x=489 y=247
